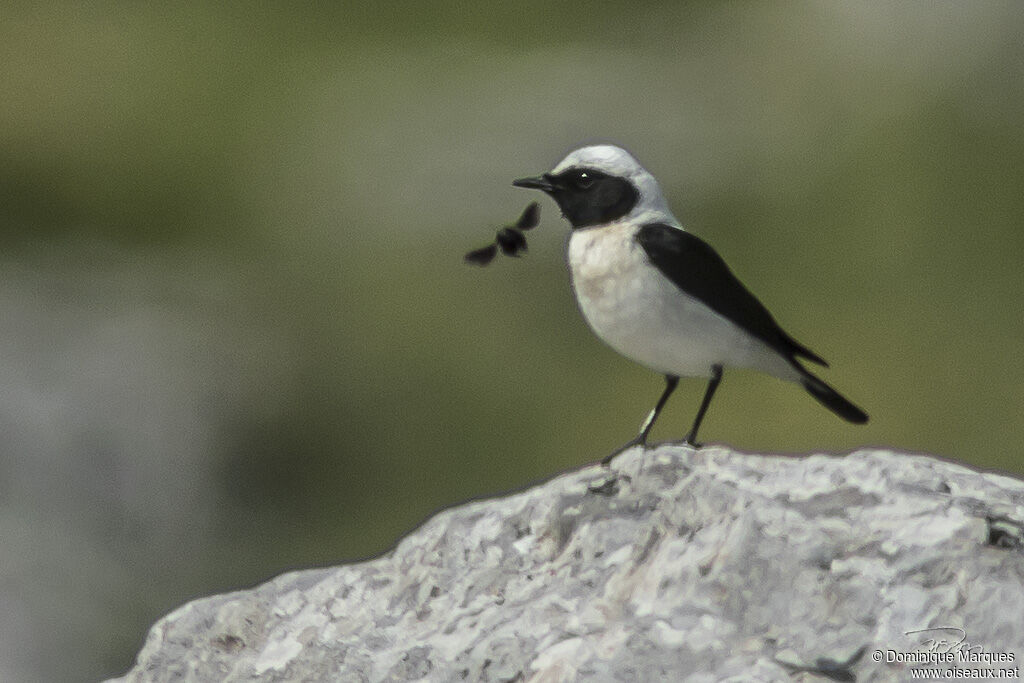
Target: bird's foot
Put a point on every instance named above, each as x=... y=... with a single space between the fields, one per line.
x=688 y=441
x=637 y=441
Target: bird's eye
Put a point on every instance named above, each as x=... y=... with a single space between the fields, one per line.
x=584 y=180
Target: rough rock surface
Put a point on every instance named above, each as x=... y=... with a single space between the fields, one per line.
x=706 y=565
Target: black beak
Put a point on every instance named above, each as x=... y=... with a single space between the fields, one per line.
x=539 y=183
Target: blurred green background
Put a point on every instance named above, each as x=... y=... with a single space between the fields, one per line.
x=238 y=336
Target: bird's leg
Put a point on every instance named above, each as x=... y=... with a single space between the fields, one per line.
x=716 y=377
x=641 y=439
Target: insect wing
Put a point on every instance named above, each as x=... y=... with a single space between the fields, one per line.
x=530 y=217
x=482 y=256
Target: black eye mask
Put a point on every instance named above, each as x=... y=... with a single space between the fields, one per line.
x=588 y=197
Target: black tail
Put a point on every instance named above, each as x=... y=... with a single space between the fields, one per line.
x=831 y=399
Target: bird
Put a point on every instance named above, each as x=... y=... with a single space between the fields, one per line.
x=659 y=294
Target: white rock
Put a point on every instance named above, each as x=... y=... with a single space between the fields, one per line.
x=705 y=565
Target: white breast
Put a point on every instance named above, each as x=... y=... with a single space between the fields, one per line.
x=644 y=316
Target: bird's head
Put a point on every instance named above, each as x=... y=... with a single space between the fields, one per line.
x=602 y=184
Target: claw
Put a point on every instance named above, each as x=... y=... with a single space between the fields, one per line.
x=636 y=441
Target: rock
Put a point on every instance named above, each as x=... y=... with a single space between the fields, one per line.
x=679 y=565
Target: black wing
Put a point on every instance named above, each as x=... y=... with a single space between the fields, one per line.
x=698 y=270
x=530 y=217
x=482 y=256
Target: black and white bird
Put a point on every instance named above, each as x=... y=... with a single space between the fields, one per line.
x=660 y=295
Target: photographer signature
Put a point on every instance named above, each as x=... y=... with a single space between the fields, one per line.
x=945 y=639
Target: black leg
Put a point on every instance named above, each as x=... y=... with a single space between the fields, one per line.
x=716 y=377
x=641 y=439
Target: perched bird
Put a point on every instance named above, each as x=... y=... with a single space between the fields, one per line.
x=660 y=295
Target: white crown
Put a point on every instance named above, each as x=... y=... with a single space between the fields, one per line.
x=615 y=161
